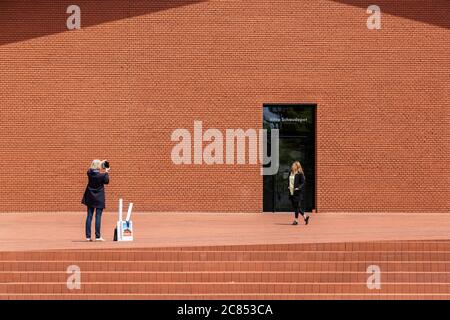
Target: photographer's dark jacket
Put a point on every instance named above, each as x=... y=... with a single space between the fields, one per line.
x=299 y=186
x=94 y=196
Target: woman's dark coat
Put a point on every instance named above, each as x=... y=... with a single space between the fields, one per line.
x=94 y=196
x=299 y=184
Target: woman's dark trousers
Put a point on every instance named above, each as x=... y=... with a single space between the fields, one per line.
x=297 y=205
x=98 y=222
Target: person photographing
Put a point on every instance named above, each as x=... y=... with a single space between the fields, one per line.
x=94 y=196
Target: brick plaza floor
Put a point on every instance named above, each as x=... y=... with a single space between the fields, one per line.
x=61 y=230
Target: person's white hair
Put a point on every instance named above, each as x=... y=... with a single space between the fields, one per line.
x=96 y=164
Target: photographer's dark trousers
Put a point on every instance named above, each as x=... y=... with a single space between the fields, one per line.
x=98 y=221
x=297 y=205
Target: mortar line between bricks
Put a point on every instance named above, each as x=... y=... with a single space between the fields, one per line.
x=224 y=261
x=227 y=251
x=230 y=272
x=228 y=283
x=226 y=294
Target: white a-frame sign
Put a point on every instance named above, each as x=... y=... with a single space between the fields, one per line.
x=124 y=228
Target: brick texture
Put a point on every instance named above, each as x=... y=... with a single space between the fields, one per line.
x=137 y=70
x=409 y=270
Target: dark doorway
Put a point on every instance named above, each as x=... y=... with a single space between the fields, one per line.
x=297 y=131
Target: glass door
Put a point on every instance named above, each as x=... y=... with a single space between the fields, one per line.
x=296 y=125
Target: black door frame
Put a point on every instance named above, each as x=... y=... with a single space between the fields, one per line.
x=314 y=106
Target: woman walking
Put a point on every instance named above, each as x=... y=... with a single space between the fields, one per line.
x=94 y=197
x=296 y=188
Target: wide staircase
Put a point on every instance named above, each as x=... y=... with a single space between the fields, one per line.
x=368 y=270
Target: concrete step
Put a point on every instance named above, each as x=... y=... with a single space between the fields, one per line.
x=206 y=277
x=101 y=255
x=210 y=266
x=232 y=296
x=224 y=288
x=412 y=245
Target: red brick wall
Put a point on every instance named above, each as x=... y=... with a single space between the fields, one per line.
x=138 y=70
